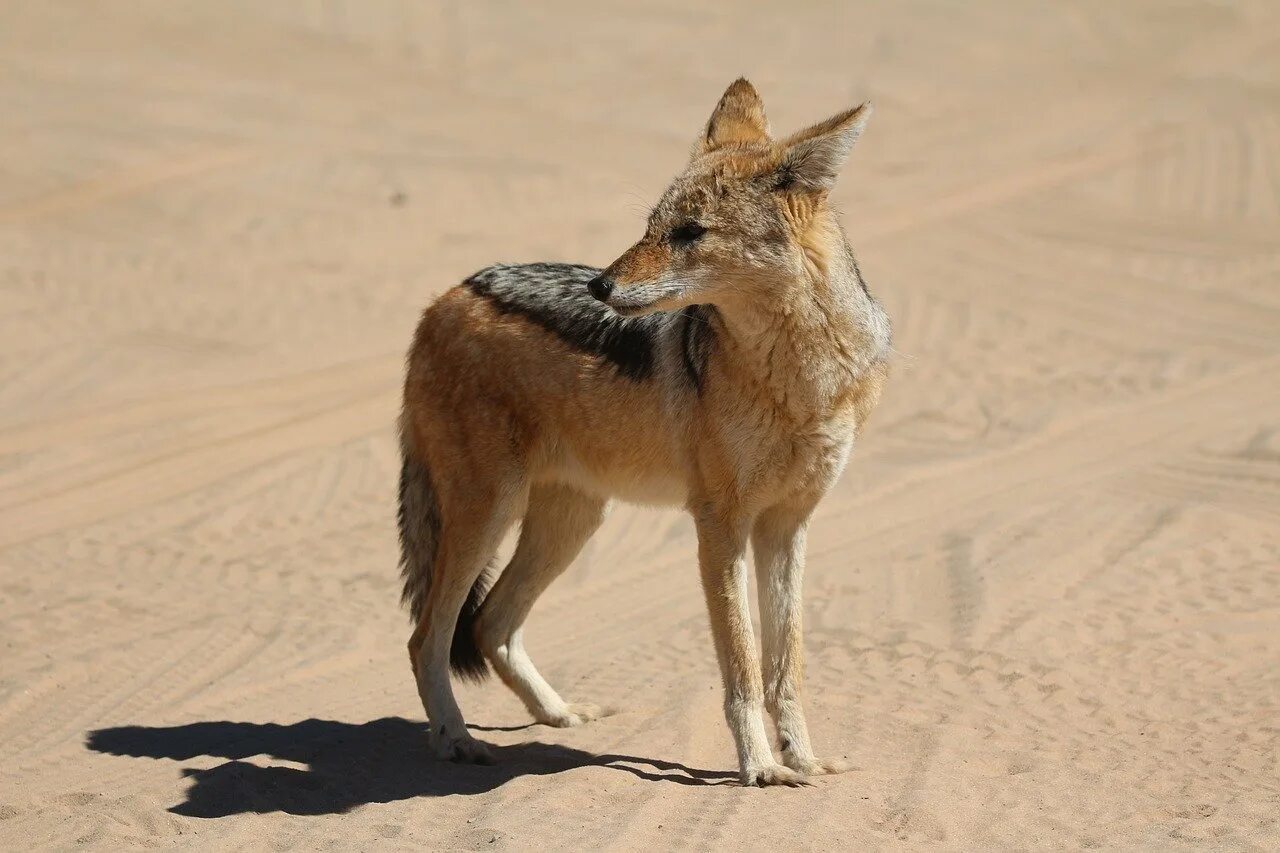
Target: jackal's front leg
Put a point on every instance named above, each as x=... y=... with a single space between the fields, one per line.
x=722 y=559
x=778 y=538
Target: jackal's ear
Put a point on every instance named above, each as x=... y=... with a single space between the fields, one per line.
x=812 y=158
x=738 y=118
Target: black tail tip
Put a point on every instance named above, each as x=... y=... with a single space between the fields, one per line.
x=465 y=658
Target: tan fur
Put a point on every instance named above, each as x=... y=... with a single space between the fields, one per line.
x=512 y=422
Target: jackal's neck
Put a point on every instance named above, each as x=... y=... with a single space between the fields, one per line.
x=812 y=339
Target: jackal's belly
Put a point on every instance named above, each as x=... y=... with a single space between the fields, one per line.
x=627 y=472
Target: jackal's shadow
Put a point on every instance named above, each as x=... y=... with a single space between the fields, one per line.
x=348 y=764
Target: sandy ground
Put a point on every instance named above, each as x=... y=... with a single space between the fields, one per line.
x=1044 y=602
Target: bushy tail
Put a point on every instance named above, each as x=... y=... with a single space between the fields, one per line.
x=419 y=518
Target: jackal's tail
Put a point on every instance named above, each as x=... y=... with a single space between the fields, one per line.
x=419 y=518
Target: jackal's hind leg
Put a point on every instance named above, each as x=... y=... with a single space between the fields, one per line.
x=557 y=524
x=468 y=540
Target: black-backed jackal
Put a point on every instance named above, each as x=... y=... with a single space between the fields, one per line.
x=725 y=363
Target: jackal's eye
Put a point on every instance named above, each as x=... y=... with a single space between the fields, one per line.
x=689 y=232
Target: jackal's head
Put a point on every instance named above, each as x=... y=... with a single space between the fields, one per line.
x=747 y=220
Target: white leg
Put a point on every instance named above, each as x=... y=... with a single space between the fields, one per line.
x=778 y=538
x=721 y=556
x=466 y=546
x=557 y=524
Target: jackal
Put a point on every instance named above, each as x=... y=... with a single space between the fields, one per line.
x=724 y=363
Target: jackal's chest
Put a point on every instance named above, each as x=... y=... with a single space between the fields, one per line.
x=775 y=461
x=799 y=445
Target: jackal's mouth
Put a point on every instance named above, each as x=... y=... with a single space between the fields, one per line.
x=639 y=299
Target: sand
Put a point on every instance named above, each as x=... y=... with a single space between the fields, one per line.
x=1043 y=603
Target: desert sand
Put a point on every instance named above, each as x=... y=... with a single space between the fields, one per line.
x=1043 y=604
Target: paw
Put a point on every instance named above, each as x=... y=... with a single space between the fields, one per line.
x=772 y=774
x=463 y=749
x=572 y=715
x=816 y=766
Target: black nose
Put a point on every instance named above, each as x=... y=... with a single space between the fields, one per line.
x=601 y=286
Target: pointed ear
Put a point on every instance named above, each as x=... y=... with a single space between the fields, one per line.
x=812 y=158
x=738 y=118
